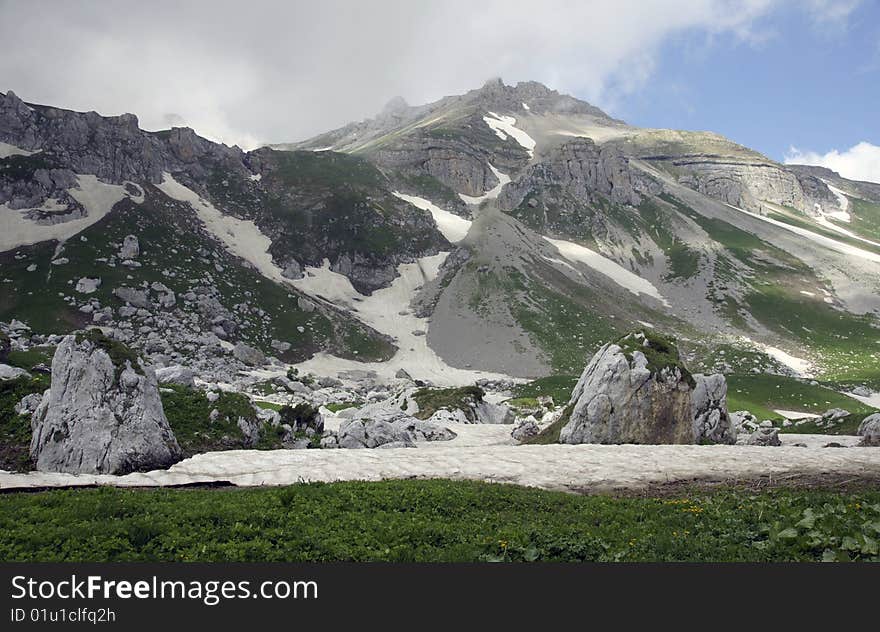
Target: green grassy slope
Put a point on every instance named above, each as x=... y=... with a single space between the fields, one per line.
x=435 y=520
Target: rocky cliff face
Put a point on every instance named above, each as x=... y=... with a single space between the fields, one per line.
x=102 y=415
x=637 y=391
x=579 y=167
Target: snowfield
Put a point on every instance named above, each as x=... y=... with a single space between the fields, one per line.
x=483 y=452
x=387 y=310
x=492 y=193
x=505 y=126
x=617 y=273
x=97 y=198
x=453 y=227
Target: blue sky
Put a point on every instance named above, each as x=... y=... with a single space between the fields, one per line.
x=813 y=86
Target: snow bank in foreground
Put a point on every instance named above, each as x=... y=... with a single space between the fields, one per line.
x=505 y=126
x=97 y=198
x=492 y=193
x=557 y=467
x=617 y=273
x=453 y=227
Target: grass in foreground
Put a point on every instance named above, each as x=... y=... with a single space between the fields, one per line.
x=435 y=520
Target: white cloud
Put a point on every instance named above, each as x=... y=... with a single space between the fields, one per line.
x=834 y=13
x=859 y=162
x=276 y=71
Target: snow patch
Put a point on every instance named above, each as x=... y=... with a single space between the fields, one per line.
x=822 y=240
x=794 y=414
x=505 y=126
x=387 y=310
x=7 y=150
x=97 y=198
x=492 y=193
x=241 y=237
x=526 y=106
x=799 y=365
x=617 y=273
x=256 y=177
x=453 y=227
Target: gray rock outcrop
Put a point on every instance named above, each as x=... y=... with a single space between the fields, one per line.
x=404 y=431
x=869 y=430
x=179 y=375
x=638 y=391
x=102 y=414
x=764 y=436
x=248 y=355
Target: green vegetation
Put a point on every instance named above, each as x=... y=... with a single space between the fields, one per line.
x=684 y=262
x=435 y=520
x=762 y=394
x=177 y=252
x=119 y=352
x=189 y=415
x=660 y=351
x=426 y=185
x=15 y=429
x=335 y=407
x=32 y=357
x=431 y=400
x=865 y=218
x=559 y=387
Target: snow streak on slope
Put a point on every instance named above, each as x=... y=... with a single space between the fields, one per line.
x=7 y=150
x=504 y=126
x=491 y=194
x=617 y=273
x=97 y=198
x=242 y=237
x=842 y=201
x=453 y=227
x=387 y=310
x=822 y=240
x=800 y=366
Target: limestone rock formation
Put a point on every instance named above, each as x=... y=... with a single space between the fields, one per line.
x=637 y=391
x=869 y=430
x=102 y=414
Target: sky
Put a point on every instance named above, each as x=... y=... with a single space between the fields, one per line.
x=798 y=80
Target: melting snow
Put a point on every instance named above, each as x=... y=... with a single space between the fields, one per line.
x=617 y=273
x=794 y=414
x=388 y=311
x=7 y=150
x=241 y=237
x=799 y=365
x=481 y=453
x=833 y=244
x=453 y=227
x=504 y=126
x=491 y=194
x=97 y=198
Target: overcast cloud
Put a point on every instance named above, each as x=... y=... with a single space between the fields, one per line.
x=248 y=72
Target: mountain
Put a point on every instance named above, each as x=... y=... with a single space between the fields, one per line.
x=509 y=231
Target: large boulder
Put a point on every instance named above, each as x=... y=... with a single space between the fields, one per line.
x=402 y=431
x=102 y=414
x=177 y=374
x=869 y=430
x=248 y=355
x=637 y=390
